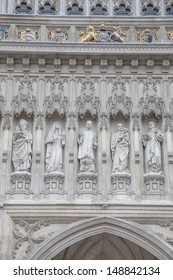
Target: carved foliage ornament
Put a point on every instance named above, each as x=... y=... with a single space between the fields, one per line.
x=152 y=105
x=27 y=235
x=56 y=102
x=25 y=101
x=88 y=103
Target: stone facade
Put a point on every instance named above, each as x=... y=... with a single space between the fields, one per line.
x=86 y=129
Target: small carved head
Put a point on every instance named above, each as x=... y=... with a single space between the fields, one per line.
x=89 y=124
x=120 y=127
x=23 y=124
x=151 y=125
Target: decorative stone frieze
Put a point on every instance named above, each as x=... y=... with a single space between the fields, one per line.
x=88 y=64
x=47 y=7
x=26 y=64
x=3 y=33
x=10 y=63
x=24 y=6
x=75 y=7
x=122 y=7
x=150 y=7
x=147 y=35
x=58 y=35
x=98 y=7
x=120 y=184
x=54 y=183
x=28 y=34
x=87 y=183
x=165 y=65
x=20 y=183
x=154 y=185
x=57 y=64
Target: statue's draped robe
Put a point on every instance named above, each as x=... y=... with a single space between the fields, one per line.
x=54 y=153
x=86 y=147
x=22 y=150
x=153 y=151
x=120 y=148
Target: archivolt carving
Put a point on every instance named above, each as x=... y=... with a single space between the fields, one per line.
x=150 y=7
x=122 y=7
x=56 y=102
x=87 y=102
x=25 y=101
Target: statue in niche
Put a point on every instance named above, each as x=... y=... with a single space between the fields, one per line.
x=22 y=147
x=120 y=145
x=151 y=141
x=87 y=143
x=55 y=141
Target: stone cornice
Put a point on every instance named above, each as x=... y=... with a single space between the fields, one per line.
x=84 y=20
x=133 y=49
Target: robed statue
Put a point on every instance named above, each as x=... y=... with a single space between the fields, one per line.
x=87 y=143
x=151 y=141
x=120 y=144
x=55 y=142
x=22 y=147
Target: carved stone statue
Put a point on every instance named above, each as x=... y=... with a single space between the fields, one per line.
x=22 y=147
x=120 y=149
x=89 y=35
x=55 y=141
x=87 y=143
x=117 y=35
x=151 y=141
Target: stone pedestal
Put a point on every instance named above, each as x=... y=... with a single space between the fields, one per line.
x=87 y=183
x=53 y=183
x=154 y=185
x=121 y=184
x=20 y=185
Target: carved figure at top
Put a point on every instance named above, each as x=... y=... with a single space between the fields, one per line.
x=87 y=143
x=120 y=144
x=22 y=147
x=151 y=141
x=117 y=35
x=55 y=141
x=89 y=35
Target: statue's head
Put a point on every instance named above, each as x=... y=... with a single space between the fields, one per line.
x=119 y=127
x=89 y=124
x=23 y=124
x=151 y=125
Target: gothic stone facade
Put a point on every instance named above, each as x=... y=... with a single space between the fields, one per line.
x=86 y=129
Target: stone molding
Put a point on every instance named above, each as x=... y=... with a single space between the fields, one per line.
x=126 y=229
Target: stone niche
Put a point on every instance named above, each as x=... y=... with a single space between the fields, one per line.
x=119 y=164
x=87 y=176
x=153 y=159
x=54 y=159
x=21 y=155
